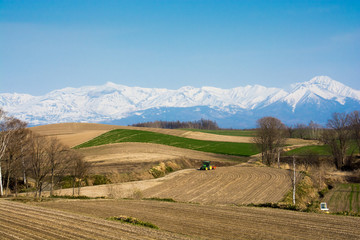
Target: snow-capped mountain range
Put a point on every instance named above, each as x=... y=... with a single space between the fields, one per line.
x=238 y=107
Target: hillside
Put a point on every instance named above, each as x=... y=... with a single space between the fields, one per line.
x=140 y=157
x=73 y=134
x=126 y=135
x=240 y=184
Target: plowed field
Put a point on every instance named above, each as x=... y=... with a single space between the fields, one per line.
x=221 y=222
x=21 y=221
x=226 y=185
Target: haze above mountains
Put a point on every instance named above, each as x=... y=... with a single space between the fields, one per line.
x=239 y=107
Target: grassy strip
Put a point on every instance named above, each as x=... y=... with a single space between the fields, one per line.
x=160 y=199
x=125 y=135
x=295 y=208
x=240 y=133
x=133 y=221
x=46 y=199
x=75 y=197
x=346 y=213
x=275 y=205
x=70 y=197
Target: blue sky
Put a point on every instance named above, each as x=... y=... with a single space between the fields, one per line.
x=47 y=45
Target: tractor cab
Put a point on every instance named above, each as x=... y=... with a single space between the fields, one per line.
x=323 y=207
x=207 y=166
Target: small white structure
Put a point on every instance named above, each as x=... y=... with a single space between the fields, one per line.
x=323 y=207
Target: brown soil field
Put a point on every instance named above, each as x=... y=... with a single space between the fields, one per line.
x=219 y=222
x=240 y=184
x=73 y=134
x=23 y=221
x=226 y=185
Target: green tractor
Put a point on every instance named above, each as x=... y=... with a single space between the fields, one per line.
x=207 y=166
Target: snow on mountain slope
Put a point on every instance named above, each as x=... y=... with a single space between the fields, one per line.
x=320 y=87
x=112 y=101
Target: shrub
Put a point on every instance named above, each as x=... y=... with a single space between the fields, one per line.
x=100 y=180
x=137 y=194
x=133 y=221
x=156 y=173
x=169 y=169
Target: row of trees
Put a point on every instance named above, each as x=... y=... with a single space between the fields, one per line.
x=303 y=131
x=341 y=131
x=200 y=124
x=24 y=155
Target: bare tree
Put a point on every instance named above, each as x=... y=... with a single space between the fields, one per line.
x=270 y=137
x=291 y=131
x=59 y=160
x=314 y=130
x=337 y=137
x=311 y=158
x=40 y=165
x=355 y=126
x=49 y=161
x=14 y=155
x=300 y=131
x=8 y=128
x=80 y=169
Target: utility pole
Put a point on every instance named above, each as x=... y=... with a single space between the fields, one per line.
x=278 y=157
x=294 y=182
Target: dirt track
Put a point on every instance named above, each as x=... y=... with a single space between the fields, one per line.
x=22 y=221
x=221 y=222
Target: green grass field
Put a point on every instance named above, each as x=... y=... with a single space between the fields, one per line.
x=124 y=135
x=240 y=133
x=318 y=149
x=344 y=197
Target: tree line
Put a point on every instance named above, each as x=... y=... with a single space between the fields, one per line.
x=303 y=131
x=200 y=124
x=341 y=133
x=25 y=155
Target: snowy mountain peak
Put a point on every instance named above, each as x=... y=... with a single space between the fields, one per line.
x=112 y=85
x=322 y=80
x=321 y=87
